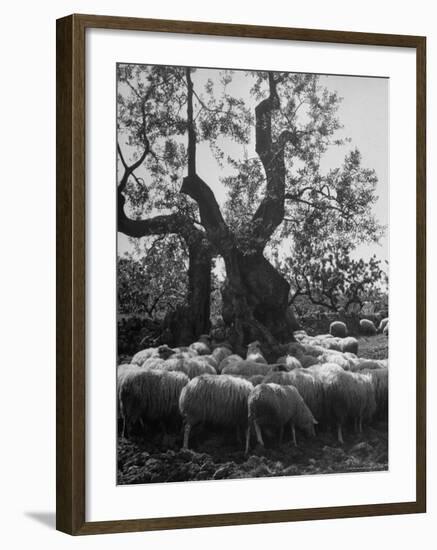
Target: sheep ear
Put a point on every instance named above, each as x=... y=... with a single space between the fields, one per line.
x=315 y=421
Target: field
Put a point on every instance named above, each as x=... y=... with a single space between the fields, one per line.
x=154 y=457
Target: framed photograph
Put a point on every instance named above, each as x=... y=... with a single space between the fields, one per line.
x=240 y=274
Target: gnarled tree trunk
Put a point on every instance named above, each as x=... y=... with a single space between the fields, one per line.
x=189 y=321
x=255 y=296
x=255 y=301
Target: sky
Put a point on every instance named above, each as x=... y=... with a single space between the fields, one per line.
x=363 y=113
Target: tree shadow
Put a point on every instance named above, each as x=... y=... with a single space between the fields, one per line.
x=45 y=518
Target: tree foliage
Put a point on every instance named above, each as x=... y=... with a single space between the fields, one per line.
x=280 y=196
x=154 y=282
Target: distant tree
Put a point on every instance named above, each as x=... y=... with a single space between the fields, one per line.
x=334 y=280
x=155 y=283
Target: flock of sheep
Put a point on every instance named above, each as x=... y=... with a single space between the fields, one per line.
x=320 y=380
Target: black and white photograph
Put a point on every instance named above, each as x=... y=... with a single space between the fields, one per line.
x=252 y=273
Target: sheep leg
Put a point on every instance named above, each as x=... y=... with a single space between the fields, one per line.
x=247 y=440
x=293 y=433
x=187 y=430
x=258 y=433
x=123 y=431
x=360 y=425
x=281 y=434
x=339 y=433
x=356 y=425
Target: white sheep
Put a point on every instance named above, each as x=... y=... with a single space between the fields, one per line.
x=347 y=395
x=337 y=358
x=299 y=334
x=379 y=379
x=367 y=327
x=289 y=362
x=201 y=347
x=146 y=394
x=349 y=344
x=161 y=352
x=295 y=349
x=153 y=363
x=254 y=353
x=382 y=325
x=230 y=360
x=314 y=350
x=143 y=355
x=365 y=364
x=308 y=360
x=221 y=353
x=307 y=384
x=338 y=328
x=275 y=405
x=192 y=367
x=248 y=368
x=219 y=400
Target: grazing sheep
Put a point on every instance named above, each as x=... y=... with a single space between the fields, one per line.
x=222 y=344
x=347 y=395
x=153 y=363
x=365 y=364
x=256 y=379
x=221 y=353
x=379 y=379
x=283 y=378
x=164 y=352
x=188 y=354
x=196 y=367
x=161 y=352
x=146 y=394
x=338 y=328
x=325 y=369
x=230 y=360
x=295 y=349
x=382 y=325
x=299 y=334
x=209 y=359
x=313 y=350
x=337 y=358
x=334 y=344
x=275 y=405
x=143 y=355
x=289 y=362
x=308 y=385
x=220 y=400
x=254 y=353
x=349 y=344
x=123 y=369
x=248 y=368
x=308 y=361
x=182 y=349
x=201 y=348
x=367 y=328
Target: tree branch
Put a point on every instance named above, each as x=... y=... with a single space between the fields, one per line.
x=270 y=212
x=193 y=186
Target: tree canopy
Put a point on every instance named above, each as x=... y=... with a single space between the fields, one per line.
x=286 y=224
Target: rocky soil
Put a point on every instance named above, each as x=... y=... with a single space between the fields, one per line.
x=161 y=459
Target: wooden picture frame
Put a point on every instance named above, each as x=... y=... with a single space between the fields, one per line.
x=71 y=252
